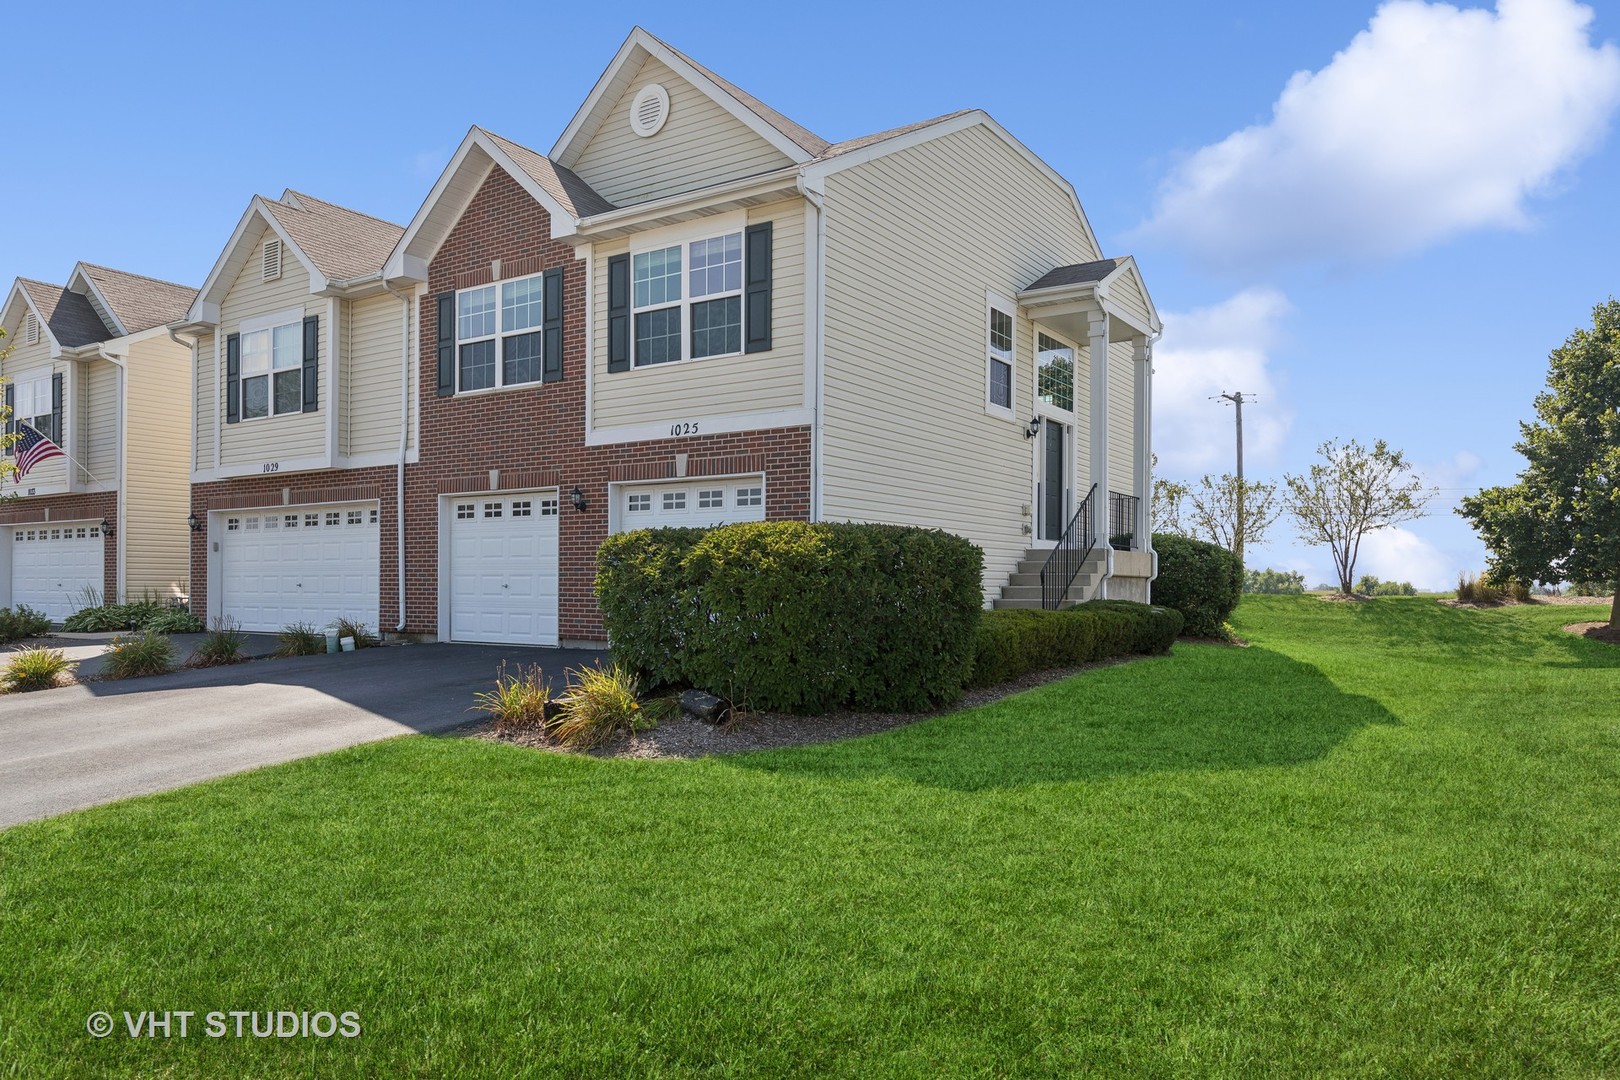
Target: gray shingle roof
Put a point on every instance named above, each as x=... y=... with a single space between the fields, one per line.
x=342 y=243
x=835 y=149
x=1078 y=274
x=561 y=183
x=72 y=320
x=140 y=302
x=801 y=136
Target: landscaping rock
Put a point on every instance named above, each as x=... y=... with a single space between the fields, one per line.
x=705 y=706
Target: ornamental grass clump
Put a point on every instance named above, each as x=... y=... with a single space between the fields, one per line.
x=299 y=639
x=223 y=645
x=520 y=702
x=34 y=669
x=602 y=704
x=147 y=653
x=353 y=628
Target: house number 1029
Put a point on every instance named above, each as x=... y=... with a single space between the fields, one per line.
x=271 y=466
x=683 y=429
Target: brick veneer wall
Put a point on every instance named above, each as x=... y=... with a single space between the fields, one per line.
x=535 y=435
x=90 y=506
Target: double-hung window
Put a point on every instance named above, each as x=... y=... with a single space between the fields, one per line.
x=273 y=370
x=1054 y=372
x=998 y=374
x=703 y=318
x=498 y=334
x=33 y=407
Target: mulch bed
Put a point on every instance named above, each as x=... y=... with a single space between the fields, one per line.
x=1551 y=601
x=684 y=736
x=1596 y=631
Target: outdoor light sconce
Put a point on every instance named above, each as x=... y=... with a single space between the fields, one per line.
x=1033 y=428
x=107 y=528
x=577 y=497
x=195 y=522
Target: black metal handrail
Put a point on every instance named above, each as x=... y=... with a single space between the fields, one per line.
x=1063 y=565
x=1121 y=520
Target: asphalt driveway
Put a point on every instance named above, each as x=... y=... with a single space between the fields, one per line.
x=79 y=746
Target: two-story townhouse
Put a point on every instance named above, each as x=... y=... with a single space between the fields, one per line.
x=305 y=417
x=695 y=311
x=91 y=367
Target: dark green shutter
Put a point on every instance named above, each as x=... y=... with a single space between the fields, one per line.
x=447 y=344
x=11 y=415
x=312 y=367
x=757 y=291
x=233 y=378
x=619 y=313
x=552 y=345
x=56 y=409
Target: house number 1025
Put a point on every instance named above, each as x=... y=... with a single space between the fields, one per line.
x=683 y=429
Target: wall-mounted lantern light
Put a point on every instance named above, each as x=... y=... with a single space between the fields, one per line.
x=1033 y=428
x=107 y=527
x=195 y=522
x=577 y=497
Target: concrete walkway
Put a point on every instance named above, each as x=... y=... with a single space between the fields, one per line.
x=78 y=746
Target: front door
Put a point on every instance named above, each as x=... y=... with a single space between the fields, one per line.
x=1054 y=479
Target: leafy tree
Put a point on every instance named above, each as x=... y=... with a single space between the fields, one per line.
x=1561 y=521
x=1368 y=585
x=1274 y=582
x=1212 y=511
x=1353 y=491
x=1169 y=500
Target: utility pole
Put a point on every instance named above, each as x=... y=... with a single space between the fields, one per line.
x=1237 y=399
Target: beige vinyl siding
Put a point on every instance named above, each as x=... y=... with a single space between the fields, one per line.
x=700 y=144
x=1121 y=419
x=207 y=393
x=273 y=438
x=716 y=386
x=157 y=488
x=1125 y=292
x=98 y=425
x=371 y=374
x=31 y=362
x=914 y=241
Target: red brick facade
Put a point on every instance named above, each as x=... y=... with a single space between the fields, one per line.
x=532 y=435
x=89 y=506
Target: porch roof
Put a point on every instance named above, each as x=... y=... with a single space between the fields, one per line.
x=1066 y=296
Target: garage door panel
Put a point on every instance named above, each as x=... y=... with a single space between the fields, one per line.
x=53 y=567
x=314 y=566
x=503 y=569
x=698 y=504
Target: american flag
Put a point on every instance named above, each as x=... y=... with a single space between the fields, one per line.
x=33 y=448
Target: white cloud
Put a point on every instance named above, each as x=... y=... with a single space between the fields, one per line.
x=1433 y=121
x=1397 y=554
x=1206 y=352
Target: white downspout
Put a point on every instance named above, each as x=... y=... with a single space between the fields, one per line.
x=818 y=352
x=120 y=543
x=404 y=438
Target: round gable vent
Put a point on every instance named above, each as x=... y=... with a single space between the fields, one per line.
x=649 y=109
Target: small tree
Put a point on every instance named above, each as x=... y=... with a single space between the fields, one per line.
x=1561 y=521
x=1274 y=582
x=1169 y=499
x=1353 y=491
x=1213 y=506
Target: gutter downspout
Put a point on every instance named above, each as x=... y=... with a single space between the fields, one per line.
x=818 y=353
x=1153 y=574
x=120 y=544
x=404 y=437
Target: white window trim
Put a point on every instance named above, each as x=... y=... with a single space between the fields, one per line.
x=1066 y=415
x=995 y=302
x=269 y=323
x=683 y=237
x=500 y=335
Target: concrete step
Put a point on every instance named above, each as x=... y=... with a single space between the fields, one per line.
x=1004 y=604
x=1033 y=577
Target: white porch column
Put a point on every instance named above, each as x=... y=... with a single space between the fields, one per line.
x=1097 y=341
x=1142 y=528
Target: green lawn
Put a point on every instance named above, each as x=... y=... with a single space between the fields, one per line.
x=1384 y=840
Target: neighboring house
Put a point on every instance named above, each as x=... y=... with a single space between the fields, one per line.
x=695 y=311
x=304 y=417
x=91 y=367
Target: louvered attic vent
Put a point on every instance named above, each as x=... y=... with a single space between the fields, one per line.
x=272 y=261
x=649 y=110
x=30 y=329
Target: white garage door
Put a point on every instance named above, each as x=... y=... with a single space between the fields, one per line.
x=304 y=564
x=503 y=568
x=53 y=567
x=699 y=504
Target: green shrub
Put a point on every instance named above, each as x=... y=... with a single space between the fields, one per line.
x=1201 y=580
x=22 y=622
x=1367 y=585
x=34 y=669
x=1274 y=582
x=172 y=620
x=354 y=628
x=602 y=704
x=146 y=614
x=795 y=616
x=299 y=639
x=521 y=701
x=223 y=645
x=1015 y=642
x=147 y=653
x=97 y=620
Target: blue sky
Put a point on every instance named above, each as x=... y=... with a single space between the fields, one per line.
x=1389 y=249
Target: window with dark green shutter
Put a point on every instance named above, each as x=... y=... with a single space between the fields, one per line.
x=692 y=300
x=497 y=334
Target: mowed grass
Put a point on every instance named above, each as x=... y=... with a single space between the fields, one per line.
x=1382 y=841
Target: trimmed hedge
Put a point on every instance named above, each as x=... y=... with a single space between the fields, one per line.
x=1015 y=642
x=1201 y=580
x=794 y=616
